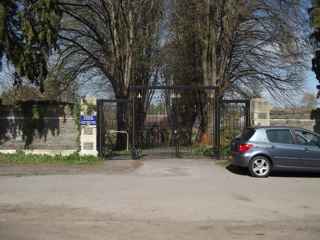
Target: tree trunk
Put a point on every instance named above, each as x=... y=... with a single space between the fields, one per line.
x=203 y=135
x=122 y=125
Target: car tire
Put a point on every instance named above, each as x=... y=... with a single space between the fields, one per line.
x=260 y=167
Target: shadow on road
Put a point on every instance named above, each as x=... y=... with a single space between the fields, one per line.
x=296 y=174
x=238 y=170
x=293 y=174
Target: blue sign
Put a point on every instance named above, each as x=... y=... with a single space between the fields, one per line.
x=88 y=120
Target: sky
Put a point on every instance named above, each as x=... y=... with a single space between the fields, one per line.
x=311 y=82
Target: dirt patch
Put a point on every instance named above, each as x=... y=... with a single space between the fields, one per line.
x=51 y=223
x=107 y=167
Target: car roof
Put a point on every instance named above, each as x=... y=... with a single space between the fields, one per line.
x=281 y=127
x=267 y=127
x=285 y=127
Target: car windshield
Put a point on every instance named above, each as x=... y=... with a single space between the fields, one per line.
x=307 y=138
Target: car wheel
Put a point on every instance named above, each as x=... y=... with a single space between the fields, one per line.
x=260 y=167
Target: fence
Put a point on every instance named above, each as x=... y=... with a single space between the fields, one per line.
x=56 y=128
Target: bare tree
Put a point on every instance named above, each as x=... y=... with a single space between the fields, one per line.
x=116 y=39
x=251 y=46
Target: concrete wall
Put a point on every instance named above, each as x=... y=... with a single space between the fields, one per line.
x=43 y=128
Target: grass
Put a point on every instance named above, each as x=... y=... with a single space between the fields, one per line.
x=202 y=150
x=122 y=153
x=22 y=158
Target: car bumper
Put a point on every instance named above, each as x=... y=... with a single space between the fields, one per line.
x=240 y=160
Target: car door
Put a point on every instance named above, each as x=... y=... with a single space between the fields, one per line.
x=311 y=143
x=284 y=151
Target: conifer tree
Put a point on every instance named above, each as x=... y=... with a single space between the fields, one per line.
x=28 y=34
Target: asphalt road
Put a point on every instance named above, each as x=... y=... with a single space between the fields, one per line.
x=159 y=199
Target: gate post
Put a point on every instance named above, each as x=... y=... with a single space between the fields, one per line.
x=248 y=113
x=216 y=118
x=260 y=112
x=88 y=127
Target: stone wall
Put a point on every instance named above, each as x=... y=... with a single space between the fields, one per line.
x=292 y=118
x=262 y=114
x=88 y=128
x=39 y=127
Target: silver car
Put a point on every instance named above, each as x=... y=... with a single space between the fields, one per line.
x=264 y=149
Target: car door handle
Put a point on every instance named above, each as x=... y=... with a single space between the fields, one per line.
x=306 y=149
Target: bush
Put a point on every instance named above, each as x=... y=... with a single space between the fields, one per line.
x=203 y=150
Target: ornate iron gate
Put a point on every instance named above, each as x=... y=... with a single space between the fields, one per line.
x=109 y=131
x=233 y=118
x=170 y=121
x=166 y=119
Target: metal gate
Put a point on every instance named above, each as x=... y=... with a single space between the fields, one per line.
x=233 y=118
x=166 y=119
x=170 y=121
x=109 y=131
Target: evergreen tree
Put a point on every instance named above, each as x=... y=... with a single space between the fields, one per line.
x=28 y=33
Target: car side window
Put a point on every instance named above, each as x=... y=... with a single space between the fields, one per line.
x=301 y=140
x=280 y=136
x=307 y=138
